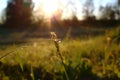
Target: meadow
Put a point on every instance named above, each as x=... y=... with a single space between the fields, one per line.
x=89 y=58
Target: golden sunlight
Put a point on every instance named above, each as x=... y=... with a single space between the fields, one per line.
x=49 y=7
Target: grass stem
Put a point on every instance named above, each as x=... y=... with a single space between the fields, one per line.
x=56 y=42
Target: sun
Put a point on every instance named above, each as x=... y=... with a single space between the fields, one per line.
x=49 y=7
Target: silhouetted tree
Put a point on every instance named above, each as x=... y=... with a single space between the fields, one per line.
x=119 y=3
x=118 y=12
x=108 y=12
x=88 y=9
x=19 y=13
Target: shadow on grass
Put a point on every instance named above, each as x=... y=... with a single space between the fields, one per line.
x=14 y=72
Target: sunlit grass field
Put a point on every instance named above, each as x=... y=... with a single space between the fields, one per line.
x=92 y=58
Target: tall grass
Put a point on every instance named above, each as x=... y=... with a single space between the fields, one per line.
x=56 y=42
x=88 y=59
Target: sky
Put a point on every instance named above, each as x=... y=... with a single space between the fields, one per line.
x=67 y=12
x=3 y=4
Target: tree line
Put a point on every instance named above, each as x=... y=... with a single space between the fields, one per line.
x=19 y=14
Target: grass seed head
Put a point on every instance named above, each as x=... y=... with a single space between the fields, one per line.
x=53 y=35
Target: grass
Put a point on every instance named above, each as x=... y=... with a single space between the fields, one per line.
x=84 y=59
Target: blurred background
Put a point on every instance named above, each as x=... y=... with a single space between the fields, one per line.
x=85 y=42
x=39 y=17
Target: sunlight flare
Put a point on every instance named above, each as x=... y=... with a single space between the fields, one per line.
x=49 y=7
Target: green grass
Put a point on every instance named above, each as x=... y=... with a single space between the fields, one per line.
x=91 y=59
